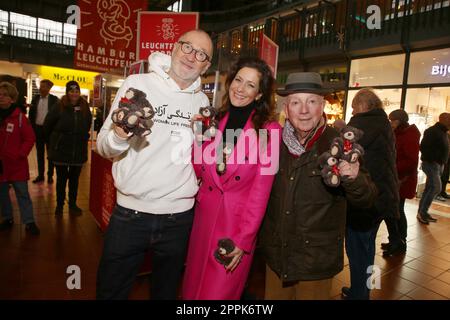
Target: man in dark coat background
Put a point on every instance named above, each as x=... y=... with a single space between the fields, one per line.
x=41 y=105
x=434 y=148
x=379 y=159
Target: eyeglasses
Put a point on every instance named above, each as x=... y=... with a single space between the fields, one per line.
x=187 y=48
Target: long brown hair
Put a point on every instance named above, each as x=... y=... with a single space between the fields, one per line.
x=82 y=103
x=265 y=106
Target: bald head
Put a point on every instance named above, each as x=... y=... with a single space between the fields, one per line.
x=202 y=37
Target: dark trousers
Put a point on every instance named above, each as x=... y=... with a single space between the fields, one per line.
x=360 y=248
x=444 y=178
x=64 y=173
x=402 y=222
x=130 y=235
x=41 y=145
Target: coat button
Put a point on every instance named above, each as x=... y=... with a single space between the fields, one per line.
x=314 y=172
x=237 y=178
x=307 y=241
x=285 y=244
x=291 y=178
x=288 y=212
x=210 y=188
x=285 y=276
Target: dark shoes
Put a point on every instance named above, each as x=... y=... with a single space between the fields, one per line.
x=395 y=249
x=32 y=228
x=430 y=218
x=444 y=195
x=6 y=224
x=346 y=293
x=74 y=210
x=422 y=219
x=38 y=180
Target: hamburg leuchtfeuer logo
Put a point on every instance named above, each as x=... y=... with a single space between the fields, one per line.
x=116 y=17
x=168 y=30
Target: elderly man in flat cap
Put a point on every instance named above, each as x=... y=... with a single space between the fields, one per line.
x=302 y=236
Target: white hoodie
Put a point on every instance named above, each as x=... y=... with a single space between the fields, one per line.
x=154 y=174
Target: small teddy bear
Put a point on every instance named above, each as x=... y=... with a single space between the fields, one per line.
x=346 y=145
x=207 y=127
x=221 y=166
x=134 y=113
x=224 y=247
x=330 y=170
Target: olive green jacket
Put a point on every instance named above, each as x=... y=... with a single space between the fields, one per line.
x=302 y=236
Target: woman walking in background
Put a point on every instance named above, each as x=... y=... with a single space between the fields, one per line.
x=68 y=127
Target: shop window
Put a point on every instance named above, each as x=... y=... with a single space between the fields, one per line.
x=429 y=67
x=424 y=105
x=3 y=22
x=377 y=71
x=390 y=98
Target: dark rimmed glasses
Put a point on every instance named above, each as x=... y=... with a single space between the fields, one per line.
x=187 y=48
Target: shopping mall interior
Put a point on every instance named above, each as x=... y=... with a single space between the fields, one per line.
x=406 y=60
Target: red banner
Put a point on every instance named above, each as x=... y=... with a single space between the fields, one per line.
x=268 y=51
x=106 y=39
x=158 y=31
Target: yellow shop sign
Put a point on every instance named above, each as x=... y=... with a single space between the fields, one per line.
x=60 y=76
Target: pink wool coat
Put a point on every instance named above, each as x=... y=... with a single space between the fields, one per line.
x=229 y=206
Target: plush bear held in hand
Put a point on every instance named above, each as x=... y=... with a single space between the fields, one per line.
x=207 y=127
x=330 y=170
x=346 y=145
x=134 y=114
x=224 y=247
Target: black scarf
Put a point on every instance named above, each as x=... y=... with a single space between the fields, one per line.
x=5 y=113
x=237 y=119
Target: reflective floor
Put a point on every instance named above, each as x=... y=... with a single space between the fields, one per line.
x=35 y=267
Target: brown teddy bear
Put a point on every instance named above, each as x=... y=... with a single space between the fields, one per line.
x=345 y=146
x=224 y=247
x=134 y=114
x=207 y=127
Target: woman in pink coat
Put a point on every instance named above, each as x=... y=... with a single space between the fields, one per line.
x=233 y=195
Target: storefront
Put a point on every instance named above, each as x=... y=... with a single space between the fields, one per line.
x=418 y=82
x=424 y=93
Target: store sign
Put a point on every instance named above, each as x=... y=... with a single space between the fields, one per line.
x=442 y=70
x=60 y=76
x=158 y=31
x=268 y=51
x=106 y=40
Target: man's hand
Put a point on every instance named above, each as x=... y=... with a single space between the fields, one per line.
x=121 y=133
x=349 y=169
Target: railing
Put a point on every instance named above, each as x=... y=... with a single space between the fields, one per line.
x=338 y=24
x=16 y=31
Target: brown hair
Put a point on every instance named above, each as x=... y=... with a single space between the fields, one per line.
x=47 y=82
x=265 y=106
x=368 y=98
x=10 y=90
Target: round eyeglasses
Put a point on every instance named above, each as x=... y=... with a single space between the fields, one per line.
x=187 y=48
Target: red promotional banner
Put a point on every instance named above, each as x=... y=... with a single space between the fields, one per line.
x=158 y=31
x=268 y=51
x=106 y=39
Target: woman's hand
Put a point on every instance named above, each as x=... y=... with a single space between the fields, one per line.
x=237 y=255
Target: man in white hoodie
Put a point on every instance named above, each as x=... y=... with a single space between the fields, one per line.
x=154 y=177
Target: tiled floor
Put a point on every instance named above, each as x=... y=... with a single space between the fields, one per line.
x=36 y=267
